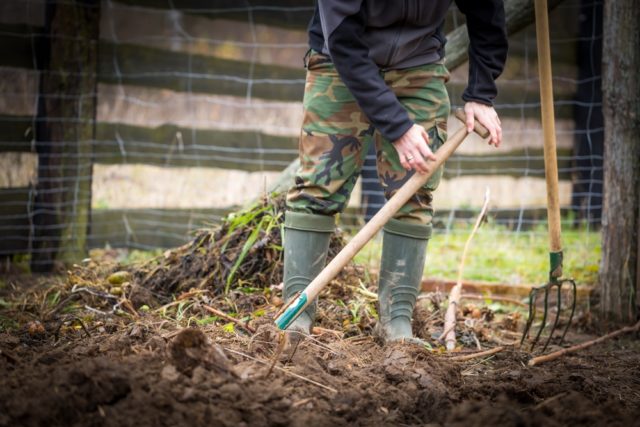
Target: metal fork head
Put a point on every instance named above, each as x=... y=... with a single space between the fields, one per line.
x=533 y=299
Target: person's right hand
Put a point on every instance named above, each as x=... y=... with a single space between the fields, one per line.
x=413 y=149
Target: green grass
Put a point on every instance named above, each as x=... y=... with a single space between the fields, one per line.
x=501 y=255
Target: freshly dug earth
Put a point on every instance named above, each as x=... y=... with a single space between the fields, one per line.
x=147 y=371
x=188 y=339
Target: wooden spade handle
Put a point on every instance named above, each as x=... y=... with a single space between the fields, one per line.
x=298 y=304
x=548 y=125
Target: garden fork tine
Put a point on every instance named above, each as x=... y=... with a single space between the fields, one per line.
x=533 y=297
x=533 y=294
x=573 y=310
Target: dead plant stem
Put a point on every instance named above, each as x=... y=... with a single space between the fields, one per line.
x=556 y=354
x=225 y=316
x=456 y=291
x=476 y=355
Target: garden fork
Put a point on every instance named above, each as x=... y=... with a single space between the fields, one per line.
x=554 y=282
x=553 y=202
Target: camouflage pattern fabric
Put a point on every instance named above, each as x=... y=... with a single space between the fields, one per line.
x=336 y=136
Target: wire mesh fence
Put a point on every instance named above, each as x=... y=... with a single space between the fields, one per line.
x=133 y=122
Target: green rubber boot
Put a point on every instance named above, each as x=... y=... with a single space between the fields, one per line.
x=306 y=243
x=404 y=248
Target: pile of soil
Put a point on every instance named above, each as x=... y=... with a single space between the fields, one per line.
x=245 y=250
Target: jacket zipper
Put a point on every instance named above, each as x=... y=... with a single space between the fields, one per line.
x=394 y=45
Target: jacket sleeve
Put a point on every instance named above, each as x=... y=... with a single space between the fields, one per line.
x=343 y=24
x=487 y=48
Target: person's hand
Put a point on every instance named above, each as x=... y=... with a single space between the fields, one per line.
x=413 y=149
x=487 y=117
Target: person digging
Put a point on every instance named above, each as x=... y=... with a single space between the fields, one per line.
x=376 y=75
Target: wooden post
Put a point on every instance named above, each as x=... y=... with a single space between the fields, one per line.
x=621 y=110
x=65 y=132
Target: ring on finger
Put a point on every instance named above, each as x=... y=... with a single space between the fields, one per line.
x=409 y=158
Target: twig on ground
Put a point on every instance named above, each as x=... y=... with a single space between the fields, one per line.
x=293 y=374
x=469 y=369
x=476 y=355
x=476 y=340
x=62 y=304
x=365 y=292
x=282 y=342
x=549 y=400
x=444 y=333
x=301 y=402
x=317 y=330
x=358 y=338
x=502 y=342
x=556 y=354
x=126 y=304
x=96 y=311
x=93 y=292
x=456 y=291
x=190 y=293
x=225 y=316
x=315 y=342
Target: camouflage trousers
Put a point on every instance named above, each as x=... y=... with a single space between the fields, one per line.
x=336 y=137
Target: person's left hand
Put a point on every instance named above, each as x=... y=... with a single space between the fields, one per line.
x=487 y=117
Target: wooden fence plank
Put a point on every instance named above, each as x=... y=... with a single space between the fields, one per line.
x=16 y=133
x=149 y=228
x=14 y=220
x=17 y=43
x=518 y=163
x=293 y=14
x=153 y=67
x=171 y=145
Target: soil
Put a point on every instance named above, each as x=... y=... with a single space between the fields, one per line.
x=148 y=371
x=145 y=345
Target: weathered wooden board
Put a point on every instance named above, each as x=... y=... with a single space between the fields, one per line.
x=293 y=14
x=15 y=226
x=17 y=45
x=152 y=67
x=171 y=145
x=16 y=133
x=149 y=228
